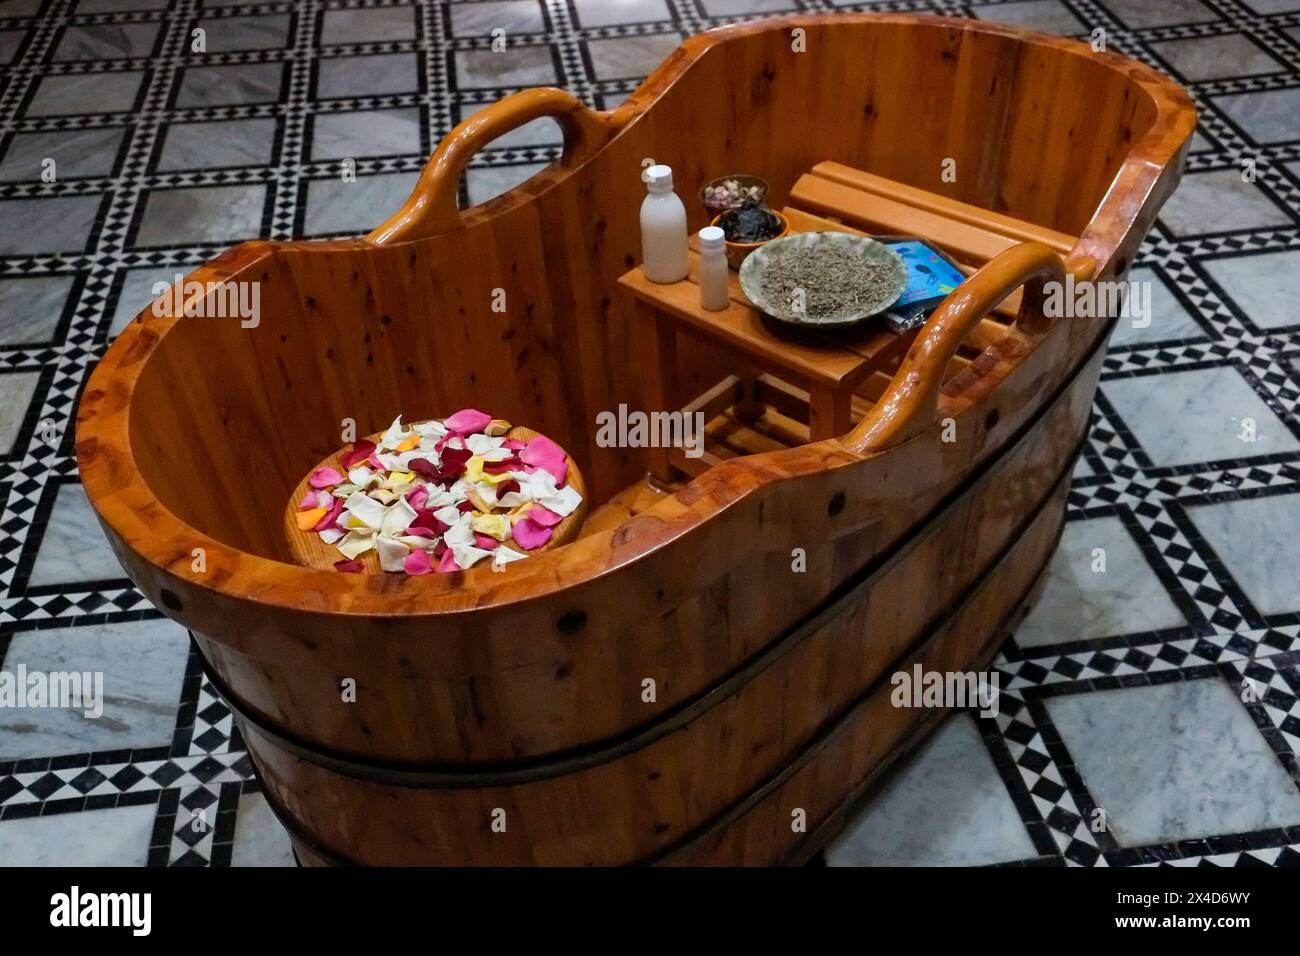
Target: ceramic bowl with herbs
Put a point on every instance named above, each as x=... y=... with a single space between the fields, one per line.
x=747 y=228
x=728 y=192
x=823 y=279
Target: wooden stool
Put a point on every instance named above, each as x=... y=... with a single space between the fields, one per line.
x=308 y=549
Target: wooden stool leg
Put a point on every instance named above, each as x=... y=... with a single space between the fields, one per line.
x=829 y=412
x=658 y=344
x=749 y=407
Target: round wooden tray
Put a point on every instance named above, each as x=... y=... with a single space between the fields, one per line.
x=308 y=549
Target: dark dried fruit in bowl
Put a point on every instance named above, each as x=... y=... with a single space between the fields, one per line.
x=750 y=223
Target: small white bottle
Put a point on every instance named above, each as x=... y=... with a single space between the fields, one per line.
x=714 y=296
x=663 y=228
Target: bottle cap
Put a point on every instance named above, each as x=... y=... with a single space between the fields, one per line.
x=659 y=178
x=712 y=239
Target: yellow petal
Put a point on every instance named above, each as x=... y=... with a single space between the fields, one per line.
x=408 y=444
x=494 y=526
x=474 y=469
x=496 y=428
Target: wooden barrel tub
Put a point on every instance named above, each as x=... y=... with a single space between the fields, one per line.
x=670 y=687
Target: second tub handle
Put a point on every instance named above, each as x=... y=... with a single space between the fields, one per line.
x=432 y=208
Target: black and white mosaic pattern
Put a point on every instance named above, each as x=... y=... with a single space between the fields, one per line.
x=1149 y=714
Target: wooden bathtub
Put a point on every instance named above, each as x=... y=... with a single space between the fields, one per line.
x=503 y=718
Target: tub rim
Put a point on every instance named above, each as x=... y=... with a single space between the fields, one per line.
x=157 y=541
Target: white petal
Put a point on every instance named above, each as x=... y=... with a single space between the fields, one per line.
x=468 y=556
x=395 y=434
x=432 y=428
x=397 y=518
x=449 y=514
x=366 y=509
x=360 y=475
x=332 y=535
x=482 y=444
x=503 y=556
x=564 y=502
x=357 y=543
x=392 y=553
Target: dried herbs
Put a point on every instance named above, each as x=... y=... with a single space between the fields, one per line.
x=822 y=281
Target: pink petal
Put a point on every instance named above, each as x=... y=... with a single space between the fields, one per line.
x=417 y=562
x=361 y=450
x=418 y=497
x=355 y=566
x=514 y=444
x=544 y=516
x=331 y=516
x=414 y=532
x=530 y=535
x=447 y=563
x=325 y=477
x=485 y=541
x=312 y=500
x=374 y=462
x=467 y=421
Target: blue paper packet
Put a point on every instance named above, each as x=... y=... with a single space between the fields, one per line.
x=930 y=277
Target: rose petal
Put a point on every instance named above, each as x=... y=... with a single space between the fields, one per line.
x=529 y=535
x=544 y=516
x=514 y=444
x=324 y=477
x=349 y=567
x=418 y=497
x=331 y=516
x=417 y=562
x=485 y=541
x=307 y=519
x=447 y=562
x=361 y=450
x=467 y=421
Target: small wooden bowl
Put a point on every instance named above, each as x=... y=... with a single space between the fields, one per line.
x=744 y=180
x=309 y=550
x=738 y=252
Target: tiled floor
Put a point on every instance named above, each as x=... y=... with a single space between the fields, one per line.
x=1149 y=708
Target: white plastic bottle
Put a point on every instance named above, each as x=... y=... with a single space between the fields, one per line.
x=714 y=296
x=663 y=228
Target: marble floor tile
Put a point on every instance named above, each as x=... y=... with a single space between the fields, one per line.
x=22 y=8
x=86 y=93
x=17 y=389
x=116 y=6
x=946 y=806
x=138 y=292
x=1256 y=539
x=513 y=16
x=229 y=34
x=1169 y=320
x=77 y=153
x=1219 y=201
x=1273 y=6
x=31 y=306
x=367 y=25
x=232 y=85
x=1197 y=416
x=367 y=75
x=10 y=41
x=1175 y=761
x=366 y=133
x=1050 y=16
x=218 y=144
x=260 y=840
x=539 y=132
x=1267 y=116
x=338 y=207
x=1079 y=603
x=107 y=41
x=1266 y=286
x=514 y=66
x=736 y=8
x=50 y=224
x=1217 y=57
x=119 y=836
x=73 y=549
x=1143 y=13
x=604 y=13
x=488 y=181
x=143 y=663
x=624 y=57
x=225 y=214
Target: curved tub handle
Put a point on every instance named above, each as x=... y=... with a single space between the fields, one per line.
x=432 y=208
x=911 y=403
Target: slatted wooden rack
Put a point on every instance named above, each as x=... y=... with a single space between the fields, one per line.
x=788 y=387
